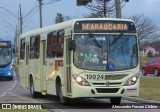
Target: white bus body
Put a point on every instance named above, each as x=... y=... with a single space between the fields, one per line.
x=75 y=59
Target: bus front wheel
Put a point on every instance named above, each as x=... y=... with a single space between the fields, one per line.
x=115 y=101
x=11 y=78
x=63 y=99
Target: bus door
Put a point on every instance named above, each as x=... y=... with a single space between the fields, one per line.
x=22 y=62
x=42 y=70
x=27 y=68
x=68 y=68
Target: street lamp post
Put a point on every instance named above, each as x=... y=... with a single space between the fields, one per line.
x=40 y=9
x=9 y=12
x=19 y=19
x=40 y=12
x=11 y=28
x=118 y=8
x=9 y=24
x=17 y=43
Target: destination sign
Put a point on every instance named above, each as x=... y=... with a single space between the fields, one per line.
x=104 y=26
x=4 y=44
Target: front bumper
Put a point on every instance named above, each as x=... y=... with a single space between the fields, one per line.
x=6 y=73
x=95 y=92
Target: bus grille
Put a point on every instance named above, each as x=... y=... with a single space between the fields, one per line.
x=110 y=84
x=107 y=90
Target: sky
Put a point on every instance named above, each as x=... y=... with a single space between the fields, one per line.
x=8 y=22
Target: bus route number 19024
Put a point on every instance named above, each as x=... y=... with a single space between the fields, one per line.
x=95 y=76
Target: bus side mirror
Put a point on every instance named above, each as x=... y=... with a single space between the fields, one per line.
x=71 y=44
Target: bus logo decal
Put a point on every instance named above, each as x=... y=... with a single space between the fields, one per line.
x=107 y=83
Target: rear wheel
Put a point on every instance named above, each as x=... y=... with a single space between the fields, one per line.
x=115 y=101
x=144 y=72
x=156 y=72
x=33 y=93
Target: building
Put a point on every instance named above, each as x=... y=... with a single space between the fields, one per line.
x=146 y=50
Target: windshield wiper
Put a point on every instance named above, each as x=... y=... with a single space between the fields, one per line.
x=118 y=37
x=94 y=40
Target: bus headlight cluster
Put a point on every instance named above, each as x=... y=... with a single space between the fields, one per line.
x=81 y=81
x=132 y=80
x=10 y=68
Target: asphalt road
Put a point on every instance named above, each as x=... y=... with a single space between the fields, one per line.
x=12 y=92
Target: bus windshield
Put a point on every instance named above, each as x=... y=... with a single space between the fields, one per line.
x=5 y=56
x=114 y=52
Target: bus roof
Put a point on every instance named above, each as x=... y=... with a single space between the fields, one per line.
x=5 y=40
x=66 y=24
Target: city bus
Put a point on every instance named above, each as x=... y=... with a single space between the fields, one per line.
x=81 y=58
x=6 y=59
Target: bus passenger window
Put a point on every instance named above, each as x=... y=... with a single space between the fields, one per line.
x=22 y=49
x=34 y=47
x=32 y=43
x=37 y=46
x=60 y=47
x=52 y=44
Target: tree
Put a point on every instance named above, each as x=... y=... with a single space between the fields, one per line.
x=93 y=15
x=83 y=2
x=146 y=29
x=155 y=44
x=107 y=8
x=59 y=18
x=66 y=18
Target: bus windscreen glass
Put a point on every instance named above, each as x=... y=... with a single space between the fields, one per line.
x=105 y=52
x=5 y=53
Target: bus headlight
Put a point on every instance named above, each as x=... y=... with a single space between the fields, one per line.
x=81 y=81
x=132 y=80
x=10 y=68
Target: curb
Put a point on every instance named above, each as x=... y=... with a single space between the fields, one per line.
x=139 y=100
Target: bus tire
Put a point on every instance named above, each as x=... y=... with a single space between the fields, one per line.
x=11 y=78
x=33 y=93
x=62 y=98
x=115 y=101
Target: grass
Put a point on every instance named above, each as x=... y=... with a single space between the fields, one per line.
x=149 y=88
